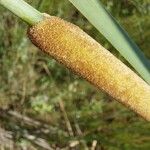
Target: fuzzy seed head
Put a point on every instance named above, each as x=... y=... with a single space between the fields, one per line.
x=72 y=47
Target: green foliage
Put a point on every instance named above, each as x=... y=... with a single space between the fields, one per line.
x=33 y=84
x=39 y=105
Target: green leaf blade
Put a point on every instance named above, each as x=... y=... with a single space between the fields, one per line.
x=94 y=11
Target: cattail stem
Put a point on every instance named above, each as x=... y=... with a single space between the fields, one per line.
x=23 y=10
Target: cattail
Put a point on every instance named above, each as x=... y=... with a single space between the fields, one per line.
x=72 y=47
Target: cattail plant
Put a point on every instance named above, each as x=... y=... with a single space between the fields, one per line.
x=72 y=47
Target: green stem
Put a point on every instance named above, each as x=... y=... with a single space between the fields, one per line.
x=23 y=10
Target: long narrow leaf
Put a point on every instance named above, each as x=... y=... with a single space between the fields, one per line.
x=94 y=11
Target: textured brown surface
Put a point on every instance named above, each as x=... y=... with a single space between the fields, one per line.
x=72 y=47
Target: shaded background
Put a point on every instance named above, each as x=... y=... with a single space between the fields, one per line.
x=44 y=106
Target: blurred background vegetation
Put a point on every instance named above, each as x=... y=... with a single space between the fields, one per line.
x=45 y=106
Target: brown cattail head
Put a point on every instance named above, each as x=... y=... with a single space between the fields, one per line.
x=69 y=45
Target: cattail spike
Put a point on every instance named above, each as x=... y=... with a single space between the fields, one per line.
x=69 y=45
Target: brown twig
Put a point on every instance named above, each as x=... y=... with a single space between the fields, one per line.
x=68 y=124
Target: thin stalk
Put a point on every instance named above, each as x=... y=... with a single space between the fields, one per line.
x=23 y=10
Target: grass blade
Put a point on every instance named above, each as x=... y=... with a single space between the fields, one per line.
x=94 y=11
